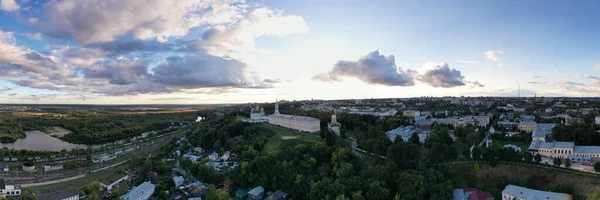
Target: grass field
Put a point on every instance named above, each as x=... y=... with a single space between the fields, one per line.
x=494 y=179
x=276 y=142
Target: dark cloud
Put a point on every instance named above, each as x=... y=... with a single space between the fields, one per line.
x=204 y=71
x=123 y=47
x=5 y=89
x=441 y=75
x=372 y=68
x=119 y=73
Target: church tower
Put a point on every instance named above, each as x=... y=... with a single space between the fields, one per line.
x=333 y=119
x=276 y=107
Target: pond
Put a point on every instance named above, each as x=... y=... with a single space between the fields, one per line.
x=40 y=141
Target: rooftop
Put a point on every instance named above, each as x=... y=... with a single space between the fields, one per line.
x=137 y=192
x=59 y=195
x=526 y=193
x=587 y=149
x=114 y=178
x=527 y=122
x=256 y=191
x=563 y=145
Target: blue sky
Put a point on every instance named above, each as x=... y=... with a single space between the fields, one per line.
x=197 y=52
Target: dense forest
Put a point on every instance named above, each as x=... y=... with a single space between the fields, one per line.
x=581 y=134
x=99 y=128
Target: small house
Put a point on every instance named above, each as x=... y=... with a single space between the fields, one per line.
x=256 y=193
x=213 y=156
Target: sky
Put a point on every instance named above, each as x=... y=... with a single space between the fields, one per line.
x=235 y=51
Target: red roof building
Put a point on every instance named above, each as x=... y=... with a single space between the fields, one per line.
x=480 y=195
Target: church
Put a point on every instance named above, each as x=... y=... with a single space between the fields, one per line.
x=299 y=123
x=334 y=126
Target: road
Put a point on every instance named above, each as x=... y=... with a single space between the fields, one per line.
x=35 y=177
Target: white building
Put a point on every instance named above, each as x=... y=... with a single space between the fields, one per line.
x=257 y=115
x=597 y=120
x=114 y=181
x=213 y=156
x=411 y=113
x=527 y=126
x=178 y=180
x=142 y=192
x=515 y=147
x=299 y=123
x=9 y=190
x=511 y=192
x=405 y=132
x=334 y=126
x=226 y=156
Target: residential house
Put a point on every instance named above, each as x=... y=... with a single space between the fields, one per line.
x=198 y=149
x=515 y=192
x=226 y=156
x=256 y=193
x=68 y=194
x=178 y=180
x=229 y=185
x=411 y=113
x=481 y=195
x=114 y=181
x=241 y=193
x=142 y=192
x=463 y=194
x=213 y=156
x=4 y=168
x=278 y=195
x=527 y=126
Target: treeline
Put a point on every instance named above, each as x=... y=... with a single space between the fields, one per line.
x=106 y=127
x=320 y=170
x=10 y=131
x=581 y=134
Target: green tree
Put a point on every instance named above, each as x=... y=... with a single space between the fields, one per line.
x=527 y=157
x=93 y=187
x=537 y=158
x=594 y=194
x=597 y=167
x=557 y=162
x=212 y=193
x=476 y=167
x=567 y=163
x=93 y=196
x=121 y=190
x=222 y=194
x=147 y=165
x=476 y=153
x=357 y=196
x=414 y=138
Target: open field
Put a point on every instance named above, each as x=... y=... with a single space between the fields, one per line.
x=494 y=179
x=285 y=138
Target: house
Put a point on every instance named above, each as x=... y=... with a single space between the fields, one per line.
x=142 y=192
x=515 y=192
x=481 y=195
x=228 y=185
x=527 y=126
x=463 y=194
x=68 y=194
x=241 y=194
x=279 y=195
x=198 y=149
x=423 y=124
x=256 y=193
x=226 y=156
x=178 y=153
x=178 y=180
x=113 y=181
x=411 y=113
x=9 y=190
x=151 y=174
x=4 y=168
x=213 y=156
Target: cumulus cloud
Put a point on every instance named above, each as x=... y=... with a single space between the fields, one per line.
x=204 y=71
x=597 y=66
x=239 y=37
x=441 y=75
x=372 y=68
x=474 y=84
x=493 y=55
x=9 y=5
x=100 y=21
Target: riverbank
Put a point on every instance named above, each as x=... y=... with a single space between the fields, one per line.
x=56 y=131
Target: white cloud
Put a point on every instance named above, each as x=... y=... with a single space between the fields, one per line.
x=598 y=66
x=99 y=21
x=34 y=36
x=239 y=37
x=493 y=55
x=9 y=5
